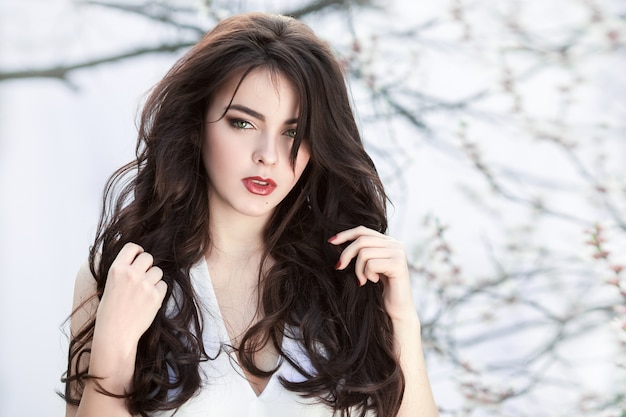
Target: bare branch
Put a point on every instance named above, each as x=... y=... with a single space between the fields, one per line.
x=62 y=71
x=320 y=5
x=158 y=12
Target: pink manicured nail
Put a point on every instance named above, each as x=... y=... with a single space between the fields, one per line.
x=332 y=238
x=338 y=264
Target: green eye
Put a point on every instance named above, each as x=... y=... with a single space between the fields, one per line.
x=291 y=133
x=241 y=124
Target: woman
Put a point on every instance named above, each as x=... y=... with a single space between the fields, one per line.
x=242 y=268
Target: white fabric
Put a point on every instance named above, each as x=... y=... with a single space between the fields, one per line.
x=226 y=391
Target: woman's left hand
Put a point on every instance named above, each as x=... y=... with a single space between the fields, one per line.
x=379 y=257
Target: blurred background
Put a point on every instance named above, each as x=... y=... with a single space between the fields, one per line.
x=499 y=128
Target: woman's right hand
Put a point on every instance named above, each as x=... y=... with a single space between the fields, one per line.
x=133 y=294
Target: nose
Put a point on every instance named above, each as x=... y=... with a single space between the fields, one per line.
x=266 y=151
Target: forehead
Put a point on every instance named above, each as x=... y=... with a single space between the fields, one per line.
x=257 y=85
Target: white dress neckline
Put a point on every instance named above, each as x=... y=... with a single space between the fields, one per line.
x=225 y=391
x=223 y=337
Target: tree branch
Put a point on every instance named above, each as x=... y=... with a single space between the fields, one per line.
x=157 y=12
x=62 y=71
x=319 y=5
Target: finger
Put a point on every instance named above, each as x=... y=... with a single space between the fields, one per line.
x=154 y=275
x=129 y=252
x=367 y=274
x=354 y=233
x=375 y=269
x=161 y=286
x=143 y=261
x=372 y=262
x=361 y=243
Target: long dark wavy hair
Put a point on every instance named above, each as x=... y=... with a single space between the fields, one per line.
x=160 y=201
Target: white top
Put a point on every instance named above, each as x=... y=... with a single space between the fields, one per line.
x=226 y=392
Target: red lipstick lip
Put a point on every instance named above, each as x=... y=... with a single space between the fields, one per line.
x=259 y=185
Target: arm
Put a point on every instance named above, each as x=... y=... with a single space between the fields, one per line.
x=381 y=257
x=418 y=399
x=134 y=289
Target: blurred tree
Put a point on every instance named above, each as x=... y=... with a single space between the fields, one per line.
x=499 y=129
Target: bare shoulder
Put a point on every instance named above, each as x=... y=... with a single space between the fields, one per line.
x=85 y=301
x=84 y=308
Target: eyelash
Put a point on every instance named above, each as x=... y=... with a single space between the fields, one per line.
x=236 y=123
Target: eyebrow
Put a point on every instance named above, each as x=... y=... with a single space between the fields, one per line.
x=256 y=114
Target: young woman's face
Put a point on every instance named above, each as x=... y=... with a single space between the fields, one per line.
x=246 y=153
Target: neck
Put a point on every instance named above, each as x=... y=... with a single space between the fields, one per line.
x=236 y=237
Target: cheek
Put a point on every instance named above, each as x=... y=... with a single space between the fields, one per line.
x=207 y=146
x=216 y=151
x=302 y=160
x=215 y=163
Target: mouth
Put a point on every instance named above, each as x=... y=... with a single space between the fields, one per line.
x=259 y=186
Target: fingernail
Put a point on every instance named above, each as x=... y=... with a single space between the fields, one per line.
x=338 y=264
x=332 y=238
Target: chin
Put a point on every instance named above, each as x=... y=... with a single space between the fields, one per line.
x=259 y=210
